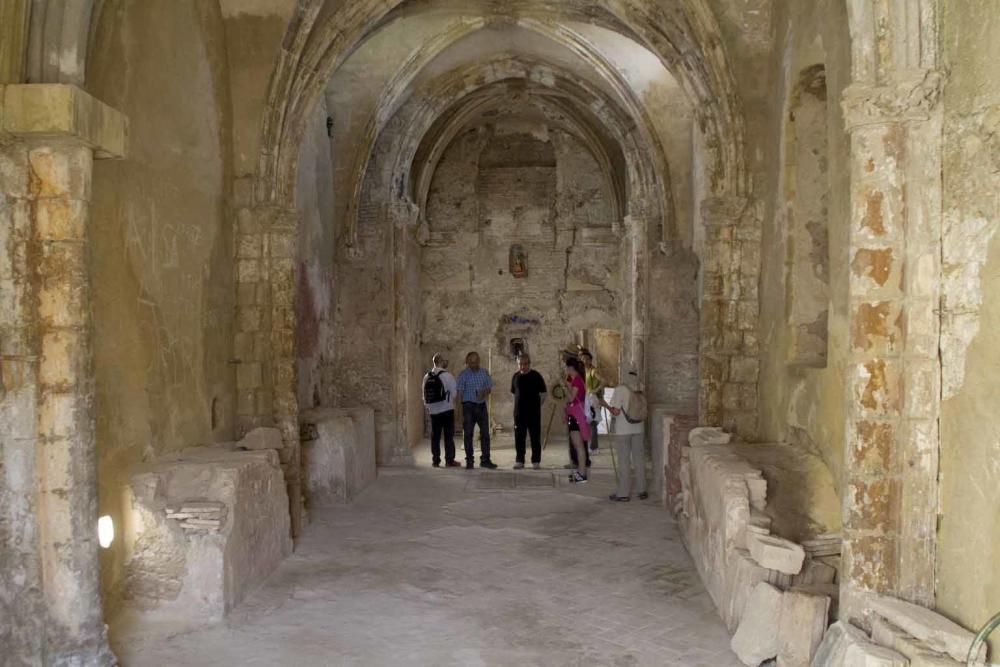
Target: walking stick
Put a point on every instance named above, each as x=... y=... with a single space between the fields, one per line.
x=558 y=393
x=548 y=429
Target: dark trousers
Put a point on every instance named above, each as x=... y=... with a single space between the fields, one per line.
x=530 y=425
x=443 y=423
x=476 y=414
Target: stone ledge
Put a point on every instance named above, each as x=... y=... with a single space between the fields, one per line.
x=61 y=111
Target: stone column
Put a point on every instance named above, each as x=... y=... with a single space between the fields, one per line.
x=265 y=349
x=893 y=392
x=50 y=137
x=402 y=218
x=729 y=358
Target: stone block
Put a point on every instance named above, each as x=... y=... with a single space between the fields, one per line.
x=939 y=633
x=804 y=618
x=262 y=438
x=756 y=639
x=659 y=439
x=776 y=553
x=341 y=461
x=708 y=435
x=193 y=567
x=846 y=646
x=59 y=110
x=815 y=572
x=917 y=652
x=744 y=369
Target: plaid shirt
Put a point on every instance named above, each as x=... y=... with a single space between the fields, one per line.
x=470 y=383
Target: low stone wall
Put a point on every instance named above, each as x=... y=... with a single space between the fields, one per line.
x=204 y=528
x=720 y=489
x=338 y=454
x=668 y=437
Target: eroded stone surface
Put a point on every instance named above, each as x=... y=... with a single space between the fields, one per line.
x=846 y=646
x=804 y=619
x=757 y=638
x=776 y=553
x=938 y=632
x=204 y=529
x=917 y=652
x=340 y=461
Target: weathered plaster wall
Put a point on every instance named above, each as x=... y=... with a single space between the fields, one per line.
x=968 y=585
x=314 y=297
x=254 y=30
x=804 y=404
x=161 y=244
x=527 y=184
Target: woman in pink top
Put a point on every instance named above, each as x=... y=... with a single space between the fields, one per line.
x=579 y=429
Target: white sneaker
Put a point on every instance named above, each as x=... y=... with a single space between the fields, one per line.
x=536 y=466
x=518 y=465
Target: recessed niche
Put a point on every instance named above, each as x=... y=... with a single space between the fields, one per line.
x=518 y=261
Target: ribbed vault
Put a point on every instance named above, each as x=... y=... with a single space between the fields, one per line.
x=322 y=36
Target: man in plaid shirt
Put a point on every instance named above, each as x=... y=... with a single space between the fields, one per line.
x=474 y=385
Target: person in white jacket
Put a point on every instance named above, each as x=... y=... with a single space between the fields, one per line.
x=629 y=443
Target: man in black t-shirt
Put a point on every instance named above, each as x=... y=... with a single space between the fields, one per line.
x=529 y=391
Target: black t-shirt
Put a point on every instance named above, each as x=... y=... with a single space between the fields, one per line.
x=526 y=388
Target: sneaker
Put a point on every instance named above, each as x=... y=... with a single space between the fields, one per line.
x=436 y=465
x=577 y=478
x=536 y=466
x=616 y=498
x=519 y=465
x=643 y=495
x=489 y=465
x=469 y=465
x=453 y=464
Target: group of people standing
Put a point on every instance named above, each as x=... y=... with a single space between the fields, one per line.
x=585 y=397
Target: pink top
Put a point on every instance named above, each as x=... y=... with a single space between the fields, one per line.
x=581 y=388
x=574 y=408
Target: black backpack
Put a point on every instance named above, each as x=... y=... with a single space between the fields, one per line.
x=434 y=389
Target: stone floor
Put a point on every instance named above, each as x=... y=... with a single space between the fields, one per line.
x=455 y=567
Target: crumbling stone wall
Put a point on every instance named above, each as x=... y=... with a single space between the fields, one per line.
x=526 y=185
x=802 y=400
x=968 y=584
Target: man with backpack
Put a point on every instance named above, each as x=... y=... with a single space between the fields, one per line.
x=439 y=399
x=628 y=405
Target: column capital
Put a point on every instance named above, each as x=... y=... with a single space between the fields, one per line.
x=55 y=111
x=909 y=96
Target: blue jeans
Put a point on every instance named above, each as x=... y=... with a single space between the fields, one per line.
x=476 y=414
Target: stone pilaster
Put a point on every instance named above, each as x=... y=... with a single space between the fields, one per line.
x=264 y=346
x=636 y=307
x=402 y=218
x=729 y=357
x=50 y=137
x=893 y=388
